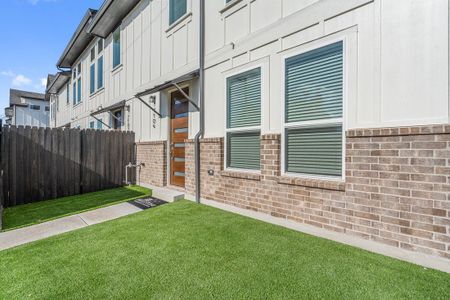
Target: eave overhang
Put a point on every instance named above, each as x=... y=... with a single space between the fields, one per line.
x=78 y=43
x=58 y=82
x=109 y=16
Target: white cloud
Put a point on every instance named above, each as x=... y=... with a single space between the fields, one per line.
x=43 y=82
x=34 y=2
x=8 y=73
x=21 y=80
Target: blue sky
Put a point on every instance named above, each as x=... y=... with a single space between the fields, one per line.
x=34 y=34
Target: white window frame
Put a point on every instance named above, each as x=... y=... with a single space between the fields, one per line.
x=68 y=87
x=98 y=55
x=79 y=75
x=234 y=72
x=92 y=62
x=181 y=18
x=119 y=66
x=310 y=124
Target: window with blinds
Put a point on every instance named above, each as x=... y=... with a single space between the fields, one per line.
x=244 y=120
x=313 y=112
x=177 y=9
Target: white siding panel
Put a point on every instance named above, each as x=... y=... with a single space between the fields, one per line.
x=292 y=6
x=264 y=13
x=414 y=61
x=237 y=25
x=180 y=47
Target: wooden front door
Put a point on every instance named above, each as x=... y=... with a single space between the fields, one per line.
x=178 y=134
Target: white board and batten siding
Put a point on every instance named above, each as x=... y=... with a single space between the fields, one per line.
x=29 y=116
x=395 y=55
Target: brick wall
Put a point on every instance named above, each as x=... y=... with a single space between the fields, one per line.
x=396 y=192
x=154 y=157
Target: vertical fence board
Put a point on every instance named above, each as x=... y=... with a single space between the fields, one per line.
x=5 y=164
x=40 y=164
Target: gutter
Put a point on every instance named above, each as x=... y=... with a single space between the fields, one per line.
x=201 y=101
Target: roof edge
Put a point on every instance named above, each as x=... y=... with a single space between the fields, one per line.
x=90 y=13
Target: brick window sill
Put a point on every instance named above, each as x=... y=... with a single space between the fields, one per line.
x=313 y=183
x=241 y=175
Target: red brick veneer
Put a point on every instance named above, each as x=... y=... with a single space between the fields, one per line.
x=154 y=157
x=396 y=191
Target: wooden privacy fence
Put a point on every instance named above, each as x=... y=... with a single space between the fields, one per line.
x=42 y=163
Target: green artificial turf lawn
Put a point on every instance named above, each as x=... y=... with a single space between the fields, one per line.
x=29 y=214
x=188 y=251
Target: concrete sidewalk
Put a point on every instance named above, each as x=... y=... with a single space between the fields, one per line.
x=29 y=234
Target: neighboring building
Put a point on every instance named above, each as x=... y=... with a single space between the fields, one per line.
x=327 y=112
x=27 y=109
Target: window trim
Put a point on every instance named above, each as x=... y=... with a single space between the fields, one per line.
x=92 y=89
x=100 y=56
x=77 y=97
x=68 y=85
x=119 y=65
x=308 y=124
x=227 y=130
x=182 y=17
x=74 y=92
x=229 y=5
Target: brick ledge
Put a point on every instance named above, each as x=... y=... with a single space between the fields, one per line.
x=313 y=183
x=398 y=131
x=205 y=140
x=151 y=143
x=241 y=175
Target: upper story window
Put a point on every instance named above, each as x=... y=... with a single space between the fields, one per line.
x=116 y=48
x=96 y=68
x=100 y=46
x=68 y=92
x=77 y=86
x=92 y=75
x=100 y=64
x=93 y=54
x=243 y=129
x=47 y=108
x=177 y=9
x=35 y=107
x=313 y=129
x=74 y=93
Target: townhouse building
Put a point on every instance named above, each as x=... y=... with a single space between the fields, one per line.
x=27 y=109
x=330 y=113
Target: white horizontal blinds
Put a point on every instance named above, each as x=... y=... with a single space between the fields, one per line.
x=243 y=150
x=315 y=150
x=244 y=99
x=313 y=112
x=244 y=120
x=314 y=83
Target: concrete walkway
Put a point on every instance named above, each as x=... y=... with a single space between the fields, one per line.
x=33 y=233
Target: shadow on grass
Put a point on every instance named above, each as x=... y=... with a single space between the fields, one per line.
x=34 y=213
